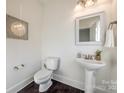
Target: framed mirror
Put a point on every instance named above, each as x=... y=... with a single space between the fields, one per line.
x=90 y=29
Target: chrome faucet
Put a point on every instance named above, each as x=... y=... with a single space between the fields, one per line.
x=86 y=56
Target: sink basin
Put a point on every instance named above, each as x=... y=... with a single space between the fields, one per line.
x=90 y=64
x=90 y=67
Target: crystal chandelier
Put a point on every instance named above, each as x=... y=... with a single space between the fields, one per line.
x=86 y=3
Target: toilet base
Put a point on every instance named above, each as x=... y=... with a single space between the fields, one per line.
x=44 y=87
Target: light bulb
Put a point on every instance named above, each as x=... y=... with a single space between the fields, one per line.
x=78 y=7
x=89 y=3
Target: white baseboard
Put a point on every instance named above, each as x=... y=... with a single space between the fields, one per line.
x=68 y=81
x=20 y=85
x=100 y=90
x=75 y=83
x=60 y=78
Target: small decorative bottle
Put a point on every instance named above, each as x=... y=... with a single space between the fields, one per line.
x=78 y=55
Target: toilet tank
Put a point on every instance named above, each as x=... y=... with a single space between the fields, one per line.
x=52 y=63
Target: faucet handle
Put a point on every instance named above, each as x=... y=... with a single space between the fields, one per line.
x=93 y=57
x=83 y=56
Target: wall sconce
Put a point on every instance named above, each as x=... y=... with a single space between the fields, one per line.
x=86 y=3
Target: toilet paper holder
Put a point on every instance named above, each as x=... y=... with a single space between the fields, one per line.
x=19 y=67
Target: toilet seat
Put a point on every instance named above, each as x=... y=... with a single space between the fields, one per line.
x=42 y=75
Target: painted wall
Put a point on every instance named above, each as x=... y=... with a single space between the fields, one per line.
x=27 y=52
x=51 y=33
x=58 y=39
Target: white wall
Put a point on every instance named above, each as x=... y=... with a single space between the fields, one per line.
x=86 y=23
x=27 y=52
x=58 y=39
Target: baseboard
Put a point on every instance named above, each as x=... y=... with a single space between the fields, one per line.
x=60 y=78
x=20 y=85
x=104 y=90
x=68 y=81
x=76 y=84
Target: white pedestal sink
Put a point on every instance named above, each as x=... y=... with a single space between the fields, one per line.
x=90 y=67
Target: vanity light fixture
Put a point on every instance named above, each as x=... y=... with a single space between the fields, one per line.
x=86 y=3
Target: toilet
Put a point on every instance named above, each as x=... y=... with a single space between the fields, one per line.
x=43 y=77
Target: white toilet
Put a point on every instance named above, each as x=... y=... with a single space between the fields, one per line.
x=43 y=77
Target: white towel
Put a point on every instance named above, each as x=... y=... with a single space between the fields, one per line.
x=109 y=42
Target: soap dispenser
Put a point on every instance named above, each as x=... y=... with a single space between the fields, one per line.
x=79 y=55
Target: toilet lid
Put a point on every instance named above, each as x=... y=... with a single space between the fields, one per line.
x=42 y=74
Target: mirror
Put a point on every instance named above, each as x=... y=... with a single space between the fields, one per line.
x=89 y=29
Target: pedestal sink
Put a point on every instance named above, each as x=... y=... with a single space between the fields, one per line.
x=90 y=67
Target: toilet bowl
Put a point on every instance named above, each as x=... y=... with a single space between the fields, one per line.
x=43 y=77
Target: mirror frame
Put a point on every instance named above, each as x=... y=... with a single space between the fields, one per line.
x=102 y=31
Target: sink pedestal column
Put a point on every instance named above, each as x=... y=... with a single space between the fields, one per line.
x=89 y=81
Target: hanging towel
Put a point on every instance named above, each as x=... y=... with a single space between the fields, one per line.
x=109 y=42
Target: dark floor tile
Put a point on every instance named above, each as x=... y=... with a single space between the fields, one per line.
x=57 y=87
